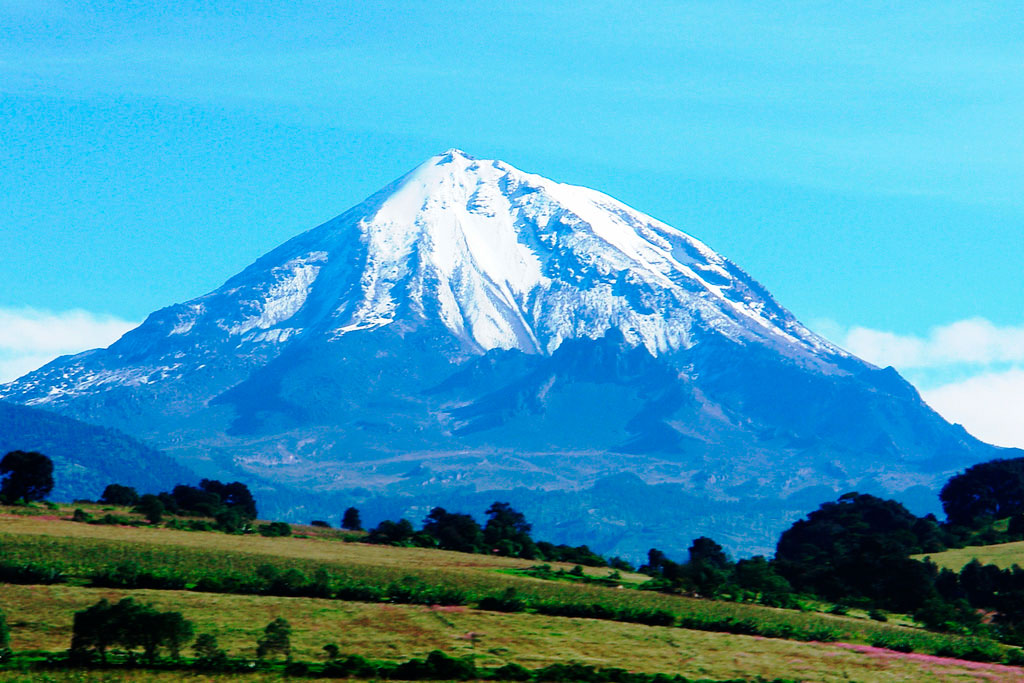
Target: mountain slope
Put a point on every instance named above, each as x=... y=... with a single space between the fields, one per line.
x=86 y=457
x=475 y=328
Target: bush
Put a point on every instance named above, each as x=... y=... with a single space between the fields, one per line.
x=128 y=574
x=32 y=573
x=275 y=529
x=508 y=601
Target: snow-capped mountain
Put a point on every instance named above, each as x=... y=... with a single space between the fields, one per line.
x=475 y=327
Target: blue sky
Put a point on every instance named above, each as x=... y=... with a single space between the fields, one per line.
x=864 y=161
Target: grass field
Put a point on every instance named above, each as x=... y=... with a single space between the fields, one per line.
x=40 y=616
x=1004 y=555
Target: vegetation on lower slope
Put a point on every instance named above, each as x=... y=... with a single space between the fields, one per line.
x=145 y=575
x=700 y=638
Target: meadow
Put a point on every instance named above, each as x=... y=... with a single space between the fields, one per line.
x=1003 y=555
x=706 y=639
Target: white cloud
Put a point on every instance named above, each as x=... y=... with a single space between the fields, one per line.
x=30 y=338
x=987 y=396
x=989 y=406
x=975 y=341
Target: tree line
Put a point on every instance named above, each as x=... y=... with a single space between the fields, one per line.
x=506 y=532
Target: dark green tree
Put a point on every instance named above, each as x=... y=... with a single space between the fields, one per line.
x=208 y=654
x=391 y=533
x=231 y=520
x=350 y=520
x=508 y=532
x=235 y=495
x=276 y=638
x=990 y=490
x=116 y=494
x=27 y=475
x=454 y=530
x=859 y=547
x=131 y=625
x=705 y=551
x=5 y=638
x=151 y=507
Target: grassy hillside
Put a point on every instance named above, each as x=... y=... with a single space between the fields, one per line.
x=1004 y=555
x=695 y=645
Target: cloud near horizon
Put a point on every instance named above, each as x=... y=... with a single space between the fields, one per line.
x=30 y=338
x=987 y=396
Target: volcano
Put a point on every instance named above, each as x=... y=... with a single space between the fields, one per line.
x=473 y=333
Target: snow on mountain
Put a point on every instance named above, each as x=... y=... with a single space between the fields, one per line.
x=503 y=259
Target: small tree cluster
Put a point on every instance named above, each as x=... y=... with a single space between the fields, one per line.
x=130 y=625
x=232 y=505
x=506 y=533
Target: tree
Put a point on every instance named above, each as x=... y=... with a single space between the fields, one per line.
x=231 y=521
x=350 y=520
x=704 y=550
x=234 y=495
x=131 y=625
x=508 y=532
x=454 y=530
x=91 y=630
x=152 y=507
x=391 y=533
x=859 y=546
x=276 y=638
x=5 y=638
x=116 y=494
x=989 y=490
x=197 y=501
x=27 y=476
x=208 y=654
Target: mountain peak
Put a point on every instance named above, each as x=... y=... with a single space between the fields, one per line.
x=489 y=255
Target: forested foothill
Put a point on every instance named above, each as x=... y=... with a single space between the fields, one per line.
x=850 y=556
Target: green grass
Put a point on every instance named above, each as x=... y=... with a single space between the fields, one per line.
x=1004 y=555
x=377 y=565
x=40 y=616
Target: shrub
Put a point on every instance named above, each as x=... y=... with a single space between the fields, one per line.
x=32 y=573
x=508 y=601
x=275 y=529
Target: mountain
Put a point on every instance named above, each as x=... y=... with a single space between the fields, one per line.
x=86 y=457
x=474 y=332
